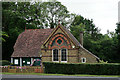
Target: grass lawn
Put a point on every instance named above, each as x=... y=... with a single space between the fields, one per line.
x=61 y=74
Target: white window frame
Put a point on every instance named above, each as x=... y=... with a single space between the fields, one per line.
x=11 y=60
x=82 y=59
x=66 y=55
x=53 y=56
x=15 y=61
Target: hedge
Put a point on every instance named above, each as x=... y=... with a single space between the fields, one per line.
x=4 y=62
x=94 y=69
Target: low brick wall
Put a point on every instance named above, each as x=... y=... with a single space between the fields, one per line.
x=22 y=69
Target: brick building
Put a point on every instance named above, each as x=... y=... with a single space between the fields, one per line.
x=50 y=45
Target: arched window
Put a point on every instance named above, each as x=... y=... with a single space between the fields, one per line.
x=64 y=55
x=55 y=55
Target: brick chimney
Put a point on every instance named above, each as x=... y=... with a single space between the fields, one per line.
x=81 y=38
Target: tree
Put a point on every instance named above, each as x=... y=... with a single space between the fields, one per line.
x=43 y=14
x=109 y=47
x=55 y=11
x=75 y=30
x=94 y=41
x=118 y=34
x=118 y=38
x=90 y=28
x=90 y=31
x=12 y=25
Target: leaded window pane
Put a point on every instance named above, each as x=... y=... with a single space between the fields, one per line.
x=55 y=55
x=63 y=55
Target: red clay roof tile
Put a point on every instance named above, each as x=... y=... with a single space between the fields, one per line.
x=29 y=42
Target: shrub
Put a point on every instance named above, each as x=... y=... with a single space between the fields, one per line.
x=4 y=62
x=95 y=69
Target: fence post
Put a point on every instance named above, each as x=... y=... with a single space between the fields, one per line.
x=8 y=68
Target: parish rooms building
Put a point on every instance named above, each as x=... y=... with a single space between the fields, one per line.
x=50 y=45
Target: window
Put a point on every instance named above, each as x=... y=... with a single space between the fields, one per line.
x=55 y=54
x=83 y=60
x=63 y=55
x=23 y=61
x=28 y=62
x=59 y=41
x=16 y=61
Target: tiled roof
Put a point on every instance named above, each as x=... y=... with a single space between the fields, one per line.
x=72 y=37
x=29 y=42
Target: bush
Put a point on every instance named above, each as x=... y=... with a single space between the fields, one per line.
x=95 y=69
x=4 y=62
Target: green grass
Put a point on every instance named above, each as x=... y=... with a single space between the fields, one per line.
x=86 y=75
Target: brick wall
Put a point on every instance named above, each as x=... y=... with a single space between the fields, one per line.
x=46 y=55
x=90 y=58
x=73 y=56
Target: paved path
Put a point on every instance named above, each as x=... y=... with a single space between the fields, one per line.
x=44 y=77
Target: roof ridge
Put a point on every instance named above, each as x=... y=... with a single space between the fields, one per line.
x=71 y=35
x=38 y=29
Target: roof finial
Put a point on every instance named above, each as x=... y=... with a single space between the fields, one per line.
x=58 y=22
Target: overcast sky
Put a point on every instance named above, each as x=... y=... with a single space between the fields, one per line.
x=103 y=12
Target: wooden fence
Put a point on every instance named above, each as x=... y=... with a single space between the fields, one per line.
x=22 y=69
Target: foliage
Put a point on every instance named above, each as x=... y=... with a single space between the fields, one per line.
x=12 y=25
x=3 y=34
x=77 y=28
x=42 y=14
x=102 y=61
x=54 y=11
x=90 y=28
x=94 y=69
x=4 y=62
x=103 y=46
x=118 y=39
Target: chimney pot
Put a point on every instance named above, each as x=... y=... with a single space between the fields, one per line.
x=81 y=38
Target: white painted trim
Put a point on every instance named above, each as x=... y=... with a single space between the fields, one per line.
x=31 y=60
x=11 y=60
x=52 y=56
x=66 y=55
x=60 y=54
x=82 y=59
x=63 y=61
x=20 y=61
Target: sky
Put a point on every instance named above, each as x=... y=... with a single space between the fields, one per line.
x=103 y=12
